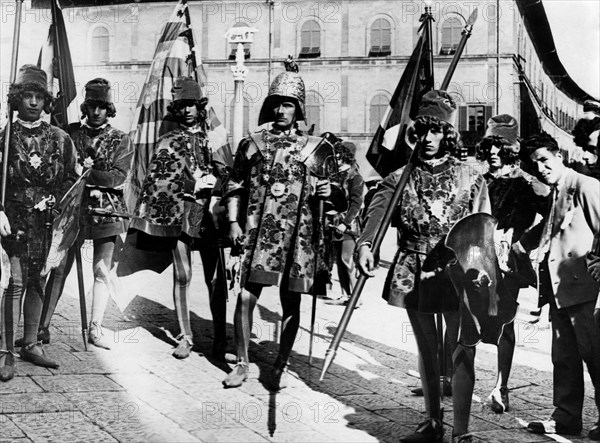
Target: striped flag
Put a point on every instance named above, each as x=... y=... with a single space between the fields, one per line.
x=389 y=149
x=55 y=60
x=173 y=57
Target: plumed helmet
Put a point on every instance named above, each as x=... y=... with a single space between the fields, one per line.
x=287 y=86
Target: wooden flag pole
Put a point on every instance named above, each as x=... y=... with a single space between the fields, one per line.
x=13 y=76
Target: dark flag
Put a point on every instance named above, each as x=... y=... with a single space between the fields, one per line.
x=55 y=59
x=389 y=149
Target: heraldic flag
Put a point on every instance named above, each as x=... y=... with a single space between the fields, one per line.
x=55 y=59
x=174 y=57
x=389 y=149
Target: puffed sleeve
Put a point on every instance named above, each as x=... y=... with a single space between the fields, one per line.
x=378 y=207
x=69 y=160
x=119 y=165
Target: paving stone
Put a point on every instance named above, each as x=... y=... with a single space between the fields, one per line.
x=400 y=415
x=128 y=419
x=31 y=403
x=509 y=436
x=385 y=431
x=233 y=435
x=8 y=430
x=370 y=402
x=19 y=385
x=70 y=426
x=77 y=383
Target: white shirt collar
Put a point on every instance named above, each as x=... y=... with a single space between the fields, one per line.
x=84 y=123
x=29 y=125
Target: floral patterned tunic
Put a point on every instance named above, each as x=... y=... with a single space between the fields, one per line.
x=107 y=152
x=437 y=195
x=167 y=206
x=281 y=210
x=516 y=198
x=41 y=163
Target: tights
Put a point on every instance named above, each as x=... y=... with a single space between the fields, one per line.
x=182 y=277
x=290 y=322
x=463 y=358
x=102 y=261
x=25 y=280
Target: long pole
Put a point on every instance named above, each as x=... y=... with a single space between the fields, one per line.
x=61 y=86
x=379 y=236
x=385 y=222
x=466 y=33
x=13 y=76
x=270 y=62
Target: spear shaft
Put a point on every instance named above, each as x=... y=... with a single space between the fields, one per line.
x=13 y=76
x=386 y=220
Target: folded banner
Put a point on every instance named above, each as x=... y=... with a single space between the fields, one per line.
x=66 y=227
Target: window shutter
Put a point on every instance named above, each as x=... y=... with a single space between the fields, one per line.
x=488 y=114
x=462 y=118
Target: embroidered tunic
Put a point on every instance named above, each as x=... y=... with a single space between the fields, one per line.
x=41 y=162
x=167 y=207
x=280 y=210
x=436 y=196
x=516 y=198
x=107 y=151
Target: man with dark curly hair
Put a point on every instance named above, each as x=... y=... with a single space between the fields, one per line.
x=107 y=152
x=41 y=168
x=440 y=191
x=516 y=199
x=585 y=135
x=173 y=210
x=568 y=268
x=345 y=225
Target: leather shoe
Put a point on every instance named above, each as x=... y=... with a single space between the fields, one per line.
x=43 y=336
x=184 y=348
x=430 y=431
x=237 y=376
x=34 y=353
x=499 y=398
x=7 y=370
x=594 y=434
x=552 y=427
x=96 y=336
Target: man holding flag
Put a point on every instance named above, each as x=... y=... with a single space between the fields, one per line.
x=41 y=169
x=440 y=191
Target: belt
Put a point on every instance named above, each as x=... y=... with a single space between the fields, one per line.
x=414 y=245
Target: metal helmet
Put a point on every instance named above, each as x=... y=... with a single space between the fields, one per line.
x=287 y=86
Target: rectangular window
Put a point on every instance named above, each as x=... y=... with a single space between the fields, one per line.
x=476 y=118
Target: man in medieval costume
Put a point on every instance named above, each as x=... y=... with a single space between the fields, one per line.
x=345 y=225
x=440 y=191
x=516 y=198
x=41 y=169
x=106 y=152
x=272 y=203
x=173 y=210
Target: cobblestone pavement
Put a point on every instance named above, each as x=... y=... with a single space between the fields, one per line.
x=138 y=392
